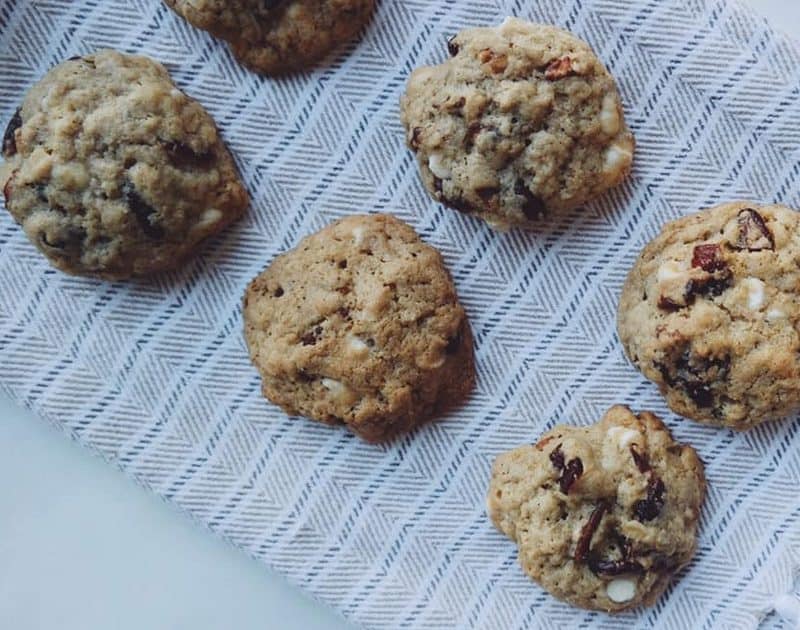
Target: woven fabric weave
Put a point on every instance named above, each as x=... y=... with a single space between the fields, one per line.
x=155 y=376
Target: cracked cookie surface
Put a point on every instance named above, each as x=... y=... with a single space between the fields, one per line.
x=709 y=312
x=603 y=515
x=113 y=172
x=277 y=36
x=360 y=325
x=523 y=119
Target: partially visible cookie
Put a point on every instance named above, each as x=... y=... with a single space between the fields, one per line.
x=113 y=172
x=277 y=36
x=523 y=119
x=605 y=515
x=360 y=325
x=711 y=313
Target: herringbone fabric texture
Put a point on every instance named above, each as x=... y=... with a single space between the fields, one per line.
x=155 y=376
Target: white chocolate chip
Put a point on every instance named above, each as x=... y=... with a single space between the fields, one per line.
x=670 y=270
x=209 y=217
x=333 y=386
x=618 y=158
x=358 y=235
x=339 y=390
x=609 y=115
x=357 y=346
x=433 y=364
x=775 y=314
x=621 y=590
x=623 y=436
x=755 y=293
x=438 y=167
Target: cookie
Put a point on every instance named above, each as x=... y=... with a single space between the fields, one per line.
x=113 y=172
x=605 y=515
x=522 y=120
x=710 y=312
x=277 y=36
x=360 y=325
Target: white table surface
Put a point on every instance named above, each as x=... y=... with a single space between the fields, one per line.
x=82 y=547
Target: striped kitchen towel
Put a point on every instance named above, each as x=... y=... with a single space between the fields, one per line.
x=155 y=375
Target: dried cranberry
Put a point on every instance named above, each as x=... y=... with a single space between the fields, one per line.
x=311 y=337
x=452 y=46
x=599 y=566
x=533 y=207
x=588 y=530
x=462 y=205
x=693 y=373
x=700 y=393
x=416 y=136
x=557 y=457
x=473 y=129
x=8 y=187
x=708 y=257
x=572 y=472
x=145 y=214
x=9 y=137
x=640 y=459
x=649 y=508
x=183 y=156
x=712 y=286
x=487 y=193
x=304 y=377
x=754 y=235
x=454 y=343
x=668 y=304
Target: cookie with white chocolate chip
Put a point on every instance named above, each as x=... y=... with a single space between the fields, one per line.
x=277 y=36
x=709 y=312
x=523 y=119
x=360 y=325
x=113 y=172
x=604 y=515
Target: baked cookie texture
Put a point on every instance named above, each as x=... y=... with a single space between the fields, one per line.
x=277 y=36
x=710 y=312
x=360 y=325
x=523 y=119
x=603 y=515
x=114 y=172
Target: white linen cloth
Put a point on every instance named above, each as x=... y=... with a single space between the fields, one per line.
x=154 y=375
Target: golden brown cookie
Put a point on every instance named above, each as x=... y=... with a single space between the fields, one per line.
x=605 y=515
x=711 y=313
x=360 y=325
x=523 y=119
x=277 y=36
x=113 y=172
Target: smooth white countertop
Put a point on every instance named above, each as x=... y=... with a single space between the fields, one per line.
x=82 y=547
